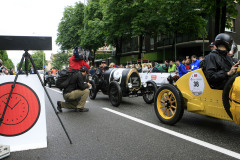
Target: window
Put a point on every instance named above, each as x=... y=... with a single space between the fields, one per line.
x=232 y=26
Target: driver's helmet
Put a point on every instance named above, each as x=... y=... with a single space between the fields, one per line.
x=225 y=40
x=234 y=49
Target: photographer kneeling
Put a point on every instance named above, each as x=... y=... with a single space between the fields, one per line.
x=76 y=89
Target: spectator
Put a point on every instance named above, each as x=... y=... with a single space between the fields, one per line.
x=158 y=68
x=133 y=66
x=20 y=71
x=187 y=63
x=182 y=70
x=195 y=63
x=111 y=65
x=212 y=46
x=92 y=71
x=139 y=68
x=149 y=68
x=1 y=66
x=77 y=89
x=145 y=68
x=166 y=65
x=171 y=67
x=120 y=66
x=201 y=58
x=54 y=71
x=11 y=71
x=32 y=70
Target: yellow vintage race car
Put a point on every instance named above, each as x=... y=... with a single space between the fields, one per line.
x=193 y=93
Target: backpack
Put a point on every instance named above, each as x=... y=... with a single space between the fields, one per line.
x=63 y=79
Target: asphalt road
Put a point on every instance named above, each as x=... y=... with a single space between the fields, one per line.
x=133 y=132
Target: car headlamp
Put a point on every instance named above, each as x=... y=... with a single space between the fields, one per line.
x=129 y=85
x=144 y=84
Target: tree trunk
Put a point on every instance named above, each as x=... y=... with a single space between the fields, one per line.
x=217 y=17
x=223 y=18
x=140 y=46
x=118 y=43
x=94 y=51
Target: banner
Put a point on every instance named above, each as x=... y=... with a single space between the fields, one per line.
x=158 y=78
x=24 y=123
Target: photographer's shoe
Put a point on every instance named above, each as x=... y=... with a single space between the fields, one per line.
x=82 y=109
x=59 y=107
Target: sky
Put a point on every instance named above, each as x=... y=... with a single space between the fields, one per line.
x=32 y=18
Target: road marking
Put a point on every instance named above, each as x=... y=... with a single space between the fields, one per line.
x=59 y=91
x=179 y=135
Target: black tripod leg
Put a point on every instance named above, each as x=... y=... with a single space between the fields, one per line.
x=13 y=85
x=31 y=60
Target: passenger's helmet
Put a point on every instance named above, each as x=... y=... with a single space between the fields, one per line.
x=225 y=40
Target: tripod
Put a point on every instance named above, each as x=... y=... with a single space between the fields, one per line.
x=25 y=57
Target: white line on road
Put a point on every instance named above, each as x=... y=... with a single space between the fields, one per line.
x=179 y=135
x=59 y=92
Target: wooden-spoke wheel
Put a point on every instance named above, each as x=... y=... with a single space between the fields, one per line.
x=168 y=104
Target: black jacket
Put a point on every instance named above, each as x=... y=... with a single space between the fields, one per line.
x=216 y=66
x=76 y=82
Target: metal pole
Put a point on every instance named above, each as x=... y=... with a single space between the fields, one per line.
x=203 y=41
x=175 y=48
x=43 y=61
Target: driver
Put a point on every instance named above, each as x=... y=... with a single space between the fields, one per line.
x=218 y=67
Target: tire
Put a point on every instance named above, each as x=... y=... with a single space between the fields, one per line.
x=225 y=95
x=168 y=104
x=93 y=90
x=115 y=93
x=152 y=88
x=49 y=85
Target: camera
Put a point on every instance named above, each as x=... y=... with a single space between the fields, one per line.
x=82 y=54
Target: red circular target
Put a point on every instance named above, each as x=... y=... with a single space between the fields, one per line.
x=22 y=111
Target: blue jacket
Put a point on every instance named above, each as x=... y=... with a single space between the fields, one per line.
x=195 y=65
x=182 y=69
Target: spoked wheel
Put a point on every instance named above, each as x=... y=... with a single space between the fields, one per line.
x=150 y=91
x=115 y=93
x=93 y=90
x=169 y=104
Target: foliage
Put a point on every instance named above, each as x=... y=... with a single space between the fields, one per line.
x=37 y=57
x=6 y=61
x=92 y=36
x=69 y=28
x=102 y=55
x=61 y=59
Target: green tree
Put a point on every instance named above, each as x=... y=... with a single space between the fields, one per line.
x=69 y=28
x=6 y=61
x=221 y=11
x=92 y=36
x=37 y=57
x=60 y=59
x=117 y=17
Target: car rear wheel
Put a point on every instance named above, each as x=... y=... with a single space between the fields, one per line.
x=149 y=92
x=168 y=104
x=93 y=90
x=115 y=93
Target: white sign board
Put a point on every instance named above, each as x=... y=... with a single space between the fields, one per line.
x=24 y=123
x=158 y=78
x=196 y=84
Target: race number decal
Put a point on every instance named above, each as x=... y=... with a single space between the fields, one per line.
x=196 y=84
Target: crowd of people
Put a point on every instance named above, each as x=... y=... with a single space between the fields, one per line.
x=180 y=67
